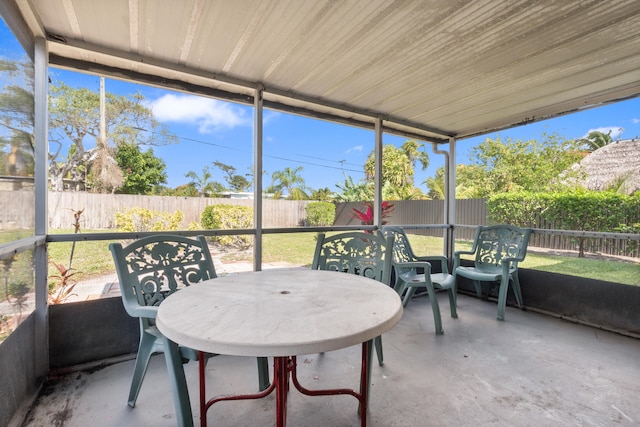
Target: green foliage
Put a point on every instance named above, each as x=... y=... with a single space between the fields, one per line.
x=596 y=139
x=350 y=191
x=577 y=209
x=141 y=219
x=522 y=209
x=322 y=194
x=186 y=190
x=235 y=181
x=500 y=167
x=204 y=184
x=398 y=169
x=591 y=210
x=225 y=217
x=74 y=122
x=142 y=170
x=464 y=187
x=320 y=213
x=290 y=181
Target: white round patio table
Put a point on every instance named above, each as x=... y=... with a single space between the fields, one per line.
x=281 y=313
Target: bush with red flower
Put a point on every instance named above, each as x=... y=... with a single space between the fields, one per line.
x=366 y=216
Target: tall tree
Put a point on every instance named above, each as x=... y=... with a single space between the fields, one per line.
x=16 y=118
x=105 y=175
x=322 y=194
x=203 y=182
x=515 y=165
x=142 y=169
x=351 y=191
x=235 y=181
x=436 y=184
x=290 y=181
x=596 y=139
x=398 y=168
x=74 y=117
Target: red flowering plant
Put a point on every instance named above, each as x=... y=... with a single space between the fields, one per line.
x=366 y=216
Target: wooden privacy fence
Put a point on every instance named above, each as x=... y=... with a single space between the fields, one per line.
x=474 y=212
x=100 y=209
x=17 y=212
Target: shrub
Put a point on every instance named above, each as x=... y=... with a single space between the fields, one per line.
x=523 y=209
x=576 y=209
x=569 y=210
x=320 y=213
x=225 y=217
x=141 y=219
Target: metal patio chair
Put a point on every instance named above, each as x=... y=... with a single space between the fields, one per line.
x=149 y=270
x=359 y=253
x=497 y=249
x=413 y=272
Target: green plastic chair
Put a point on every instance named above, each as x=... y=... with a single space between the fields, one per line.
x=498 y=249
x=408 y=279
x=149 y=270
x=359 y=253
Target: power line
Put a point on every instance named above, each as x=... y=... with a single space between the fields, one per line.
x=280 y=158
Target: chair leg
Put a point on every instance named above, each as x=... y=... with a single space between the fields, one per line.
x=435 y=308
x=145 y=349
x=263 y=373
x=502 y=296
x=411 y=290
x=184 y=416
x=516 y=289
x=400 y=287
x=455 y=291
x=478 y=286
x=452 y=302
x=377 y=341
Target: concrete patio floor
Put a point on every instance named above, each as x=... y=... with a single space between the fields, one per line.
x=530 y=370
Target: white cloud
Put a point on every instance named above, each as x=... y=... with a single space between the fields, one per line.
x=270 y=116
x=356 y=148
x=635 y=120
x=208 y=114
x=616 y=131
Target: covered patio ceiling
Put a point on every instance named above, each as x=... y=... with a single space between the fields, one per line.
x=430 y=69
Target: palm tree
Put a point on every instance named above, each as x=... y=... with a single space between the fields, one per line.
x=201 y=182
x=290 y=180
x=351 y=191
x=463 y=189
x=596 y=139
x=322 y=194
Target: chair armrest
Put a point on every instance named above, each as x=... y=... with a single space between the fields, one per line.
x=458 y=253
x=415 y=264
x=512 y=259
x=507 y=262
x=432 y=259
x=456 y=258
x=141 y=311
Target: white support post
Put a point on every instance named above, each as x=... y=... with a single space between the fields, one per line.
x=41 y=354
x=257 y=178
x=377 y=194
x=451 y=199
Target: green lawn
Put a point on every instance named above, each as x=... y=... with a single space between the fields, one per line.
x=93 y=258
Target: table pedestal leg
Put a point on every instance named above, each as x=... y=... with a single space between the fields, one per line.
x=281 y=378
x=365 y=380
x=283 y=369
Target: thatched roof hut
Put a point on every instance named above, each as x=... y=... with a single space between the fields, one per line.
x=614 y=166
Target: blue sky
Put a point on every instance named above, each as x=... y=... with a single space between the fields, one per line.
x=211 y=130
